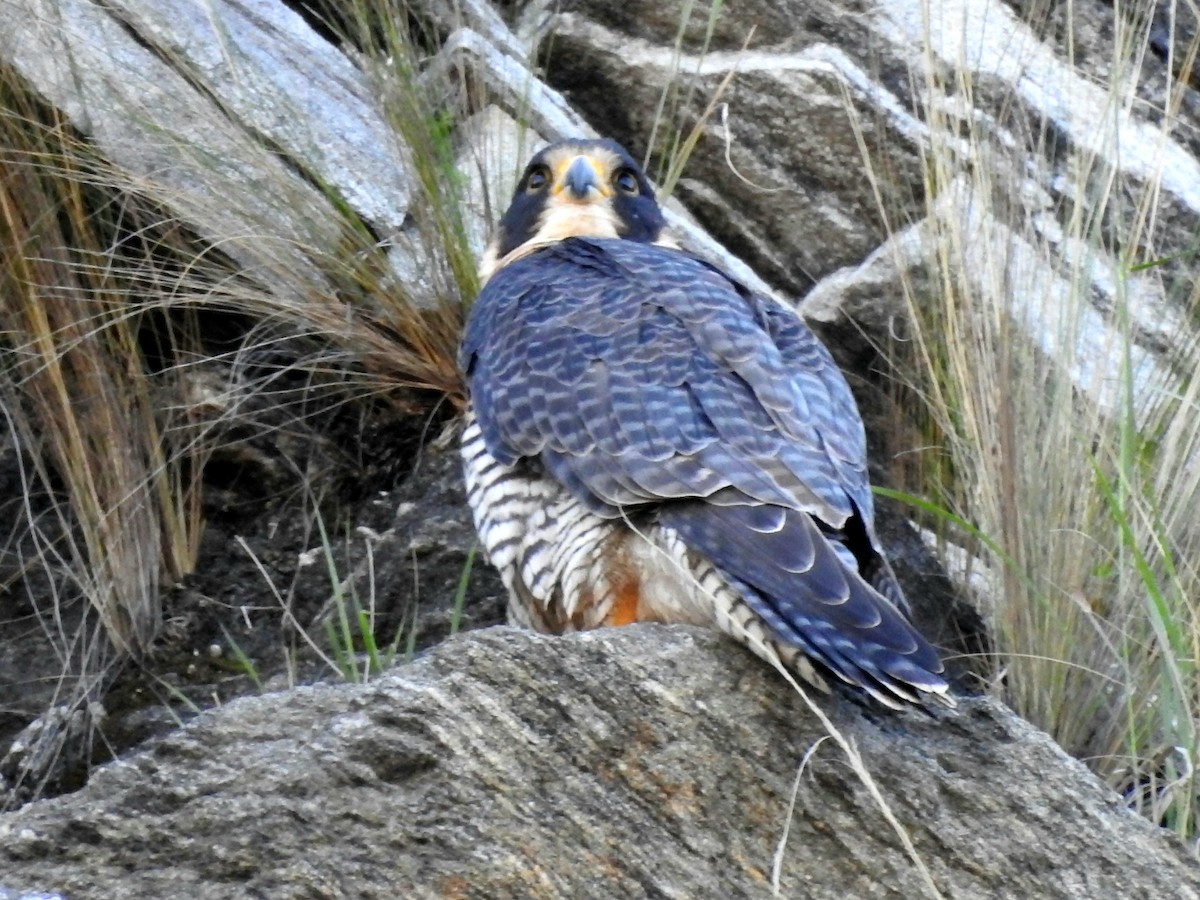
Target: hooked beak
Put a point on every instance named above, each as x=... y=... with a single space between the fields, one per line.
x=581 y=178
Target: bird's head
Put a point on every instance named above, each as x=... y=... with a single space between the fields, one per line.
x=577 y=188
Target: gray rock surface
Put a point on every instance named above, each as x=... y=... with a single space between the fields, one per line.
x=149 y=108
x=841 y=168
x=646 y=761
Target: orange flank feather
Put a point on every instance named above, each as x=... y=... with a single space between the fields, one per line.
x=625 y=606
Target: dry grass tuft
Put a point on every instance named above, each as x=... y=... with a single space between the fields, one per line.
x=1072 y=458
x=115 y=388
x=81 y=402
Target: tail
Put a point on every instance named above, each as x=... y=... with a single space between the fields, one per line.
x=793 y=579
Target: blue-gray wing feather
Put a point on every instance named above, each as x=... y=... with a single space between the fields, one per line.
x=637 y=374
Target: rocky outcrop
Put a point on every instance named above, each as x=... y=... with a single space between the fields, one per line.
x=233 y=114
x=815 y=171
x=645 y=761
x=840 y=170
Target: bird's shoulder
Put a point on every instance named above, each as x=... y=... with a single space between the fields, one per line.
x=578 y=276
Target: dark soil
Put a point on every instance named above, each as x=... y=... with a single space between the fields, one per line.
x=385 y=529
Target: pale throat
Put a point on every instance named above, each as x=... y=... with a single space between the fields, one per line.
x=559 y=221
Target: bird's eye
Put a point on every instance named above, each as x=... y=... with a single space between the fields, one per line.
x=626 y=182
x=537 y=179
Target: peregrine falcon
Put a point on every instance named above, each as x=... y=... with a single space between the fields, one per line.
x=648 y=440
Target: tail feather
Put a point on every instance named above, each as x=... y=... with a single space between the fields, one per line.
x=795 y=581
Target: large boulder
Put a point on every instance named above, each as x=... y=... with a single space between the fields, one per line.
x=644 y=761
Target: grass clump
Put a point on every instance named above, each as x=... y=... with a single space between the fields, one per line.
x=108 y=466
x=1066 y=441
x=135 y=347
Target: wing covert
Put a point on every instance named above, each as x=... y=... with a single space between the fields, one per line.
x=637 y=374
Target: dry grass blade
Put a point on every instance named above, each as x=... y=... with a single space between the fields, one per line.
x=1065 y=443
x=110 y=382
x=79 y=397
